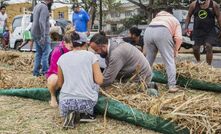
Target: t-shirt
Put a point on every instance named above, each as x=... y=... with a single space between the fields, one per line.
x=55 y=55
x=80 y=20
x=3 y=17
x=78 y=75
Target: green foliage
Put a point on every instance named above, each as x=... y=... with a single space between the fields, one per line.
x=135 y=20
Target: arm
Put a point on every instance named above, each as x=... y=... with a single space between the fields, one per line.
x=60 y=77
x=87 y=18
x=98 y=76
x=113 y=68
x=43 y=21
x=177 y=38
x=189 y=15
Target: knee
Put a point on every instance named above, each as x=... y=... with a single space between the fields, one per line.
x=52 y=81
x=208 y=47
x=196 y=47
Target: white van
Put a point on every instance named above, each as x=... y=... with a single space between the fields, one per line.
x=19 y=24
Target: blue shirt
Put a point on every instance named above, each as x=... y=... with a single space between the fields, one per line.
x=80 y=20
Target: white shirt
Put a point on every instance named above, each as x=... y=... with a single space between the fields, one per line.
x=3 y=17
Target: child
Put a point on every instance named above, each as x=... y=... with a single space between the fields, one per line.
x=78 y=71
x=51 y=74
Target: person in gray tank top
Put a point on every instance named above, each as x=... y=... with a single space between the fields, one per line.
x=79 y=75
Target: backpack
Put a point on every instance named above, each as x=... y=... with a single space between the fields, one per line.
x=49 y=57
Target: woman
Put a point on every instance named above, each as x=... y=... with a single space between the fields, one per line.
x=51 y=74
x=78 y=75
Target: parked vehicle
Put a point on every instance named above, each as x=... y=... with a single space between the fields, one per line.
x=19 y=24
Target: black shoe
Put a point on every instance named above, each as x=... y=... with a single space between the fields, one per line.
x=70 y=120
x=87 y=117
x=153 y=85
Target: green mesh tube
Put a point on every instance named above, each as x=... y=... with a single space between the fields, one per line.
x=115 y=109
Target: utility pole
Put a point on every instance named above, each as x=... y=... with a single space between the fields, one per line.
x=100 y=23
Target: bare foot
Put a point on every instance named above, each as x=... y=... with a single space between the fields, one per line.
x=173 y=90
x=53 y=102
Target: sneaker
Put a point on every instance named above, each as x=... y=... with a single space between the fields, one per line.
x=153 y=85
x=173 y=89
x=87 y=117
x=152 y=92
x=69 y=121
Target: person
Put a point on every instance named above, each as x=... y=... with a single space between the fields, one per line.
x=80 y=20
x=135 y=38
x=4 y=32
x=79 y=75
x=51 y=75
x=122 y=59
x=40 y=35
x=204 y=33
x=168 y=45
x=27 y=31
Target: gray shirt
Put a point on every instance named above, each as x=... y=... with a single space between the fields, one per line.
x=123 y=59
x=40 y=25
x=78 y=75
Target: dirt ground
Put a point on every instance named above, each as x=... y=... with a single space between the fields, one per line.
x=27 y=116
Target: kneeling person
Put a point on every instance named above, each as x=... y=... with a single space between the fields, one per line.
x=79 y=75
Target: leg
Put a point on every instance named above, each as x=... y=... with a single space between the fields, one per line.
x=45 y=54
x=166 y=48
x=23 y=43
x=196 y=51
x=52 y=86
x=37 y=60
x=31 y=44
x=209 y=53
x=149 y=49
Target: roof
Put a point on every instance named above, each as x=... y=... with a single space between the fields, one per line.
x=58 y=5
x=17 y=1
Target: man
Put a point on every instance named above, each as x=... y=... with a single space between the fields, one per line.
x=80 y=20
x=122 y=59
x=204 y=32
x=168 y=45
x=40 y=33
x=3 y=27
x=135 y=38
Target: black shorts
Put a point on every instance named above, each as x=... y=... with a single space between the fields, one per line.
x=201 y=37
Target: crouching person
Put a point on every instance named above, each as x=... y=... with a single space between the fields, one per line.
x=51 y=74
x=79 y=75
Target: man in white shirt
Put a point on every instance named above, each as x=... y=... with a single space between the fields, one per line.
x=3 y=26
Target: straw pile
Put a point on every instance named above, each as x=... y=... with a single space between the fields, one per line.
x=198 y=111
x=200 y=71
x=16 y=71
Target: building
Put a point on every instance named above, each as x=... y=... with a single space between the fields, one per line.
x=113 y=21
x=60 y=11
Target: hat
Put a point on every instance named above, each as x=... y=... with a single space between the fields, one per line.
x=75 y=5
x=83 y=38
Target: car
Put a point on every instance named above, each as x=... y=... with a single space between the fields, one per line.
x=19 y=24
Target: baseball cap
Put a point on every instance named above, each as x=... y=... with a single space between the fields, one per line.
x=75 y=5
x=83 y=38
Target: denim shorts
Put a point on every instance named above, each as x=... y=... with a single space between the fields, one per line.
x=77 y=105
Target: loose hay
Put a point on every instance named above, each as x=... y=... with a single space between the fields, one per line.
x=200 y=71
x=196 y=110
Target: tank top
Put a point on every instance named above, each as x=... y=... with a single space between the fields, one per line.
x=204 y=19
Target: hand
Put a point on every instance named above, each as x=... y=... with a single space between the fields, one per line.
x=175 y=53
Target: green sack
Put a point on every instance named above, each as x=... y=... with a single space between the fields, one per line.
x=27 y=35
